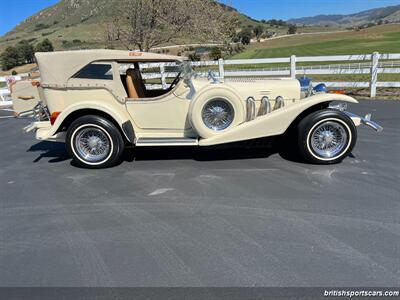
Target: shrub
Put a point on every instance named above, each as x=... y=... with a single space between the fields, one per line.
x=292 y=29
x=215 y=53
x=14 y=73
x=41 y=26
x=67 y=44
x=194 y=57
x=258 y=31
x=245 y=36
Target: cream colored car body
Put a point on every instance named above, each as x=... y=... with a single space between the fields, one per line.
x=167 y=119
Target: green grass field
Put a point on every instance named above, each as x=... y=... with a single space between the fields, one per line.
x=384 y=39
x=358 y=78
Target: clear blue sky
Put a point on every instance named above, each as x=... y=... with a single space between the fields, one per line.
x=15 y=11
x=287 y=9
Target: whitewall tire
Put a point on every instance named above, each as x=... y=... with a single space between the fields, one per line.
x=326 y=136
x=94 y=142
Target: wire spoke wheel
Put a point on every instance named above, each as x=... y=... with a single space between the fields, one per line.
x=92 y=144
x=218 y=114
x=328 y=139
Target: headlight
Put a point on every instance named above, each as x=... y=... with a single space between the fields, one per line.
x=307 y=88
x=320 y=88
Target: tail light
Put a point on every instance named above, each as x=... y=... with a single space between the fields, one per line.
x=54 y=116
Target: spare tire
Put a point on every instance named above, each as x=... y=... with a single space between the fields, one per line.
x=216 y=111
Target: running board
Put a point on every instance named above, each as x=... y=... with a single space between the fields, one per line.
x=140 y=142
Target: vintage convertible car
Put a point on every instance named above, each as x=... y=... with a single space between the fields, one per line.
x=100 y=101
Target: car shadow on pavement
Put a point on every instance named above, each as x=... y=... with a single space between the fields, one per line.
x=261 y=148
x=57 y=152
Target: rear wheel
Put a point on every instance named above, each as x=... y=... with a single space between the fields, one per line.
x=326 y=137
x=94 y=142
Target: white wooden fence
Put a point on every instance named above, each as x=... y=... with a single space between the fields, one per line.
x=372 y=64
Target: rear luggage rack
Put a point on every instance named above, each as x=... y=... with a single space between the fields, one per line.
x=40 y=112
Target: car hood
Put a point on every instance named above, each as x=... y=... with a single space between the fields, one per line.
x=256 y=87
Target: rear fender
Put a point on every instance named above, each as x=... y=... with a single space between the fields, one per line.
x=119 y=115
x=274 y=123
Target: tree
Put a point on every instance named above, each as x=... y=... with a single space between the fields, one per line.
x=148 y=23
x=292 y=29
x=277 y=23
x=25 y=52
x=258 y=31
x=215 y=53
x=245 y=36
x=44 y=46
x=20 y=54
x=9 y=58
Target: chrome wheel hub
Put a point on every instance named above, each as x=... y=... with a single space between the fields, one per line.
x=92 y=144
x=218 y=114
x=328 y=139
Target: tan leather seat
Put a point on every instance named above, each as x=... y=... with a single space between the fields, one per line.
x=134 y=84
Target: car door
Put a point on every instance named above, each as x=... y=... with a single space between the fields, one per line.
x=168 y=111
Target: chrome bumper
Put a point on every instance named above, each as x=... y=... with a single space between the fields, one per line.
x=365 y=121
x=36 y=126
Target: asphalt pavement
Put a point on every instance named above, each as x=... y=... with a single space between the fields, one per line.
x=190 y=217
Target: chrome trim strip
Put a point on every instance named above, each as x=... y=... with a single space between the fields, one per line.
x=166 y=141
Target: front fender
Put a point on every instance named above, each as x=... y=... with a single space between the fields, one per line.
x=274 y=123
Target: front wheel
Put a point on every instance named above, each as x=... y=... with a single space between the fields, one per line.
x=94 y=142
x=326 y=137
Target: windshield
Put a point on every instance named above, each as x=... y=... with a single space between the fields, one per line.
x=186 y=70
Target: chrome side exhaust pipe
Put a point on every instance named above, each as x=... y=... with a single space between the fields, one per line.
x=265 y=105
x=251 y=108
